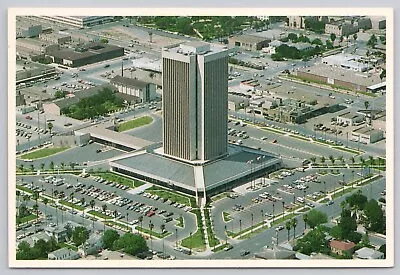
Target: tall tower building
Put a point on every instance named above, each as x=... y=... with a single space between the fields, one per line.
x=195 y=99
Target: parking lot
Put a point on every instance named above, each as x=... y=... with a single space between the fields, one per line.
x=120 y=203
x=290 y=189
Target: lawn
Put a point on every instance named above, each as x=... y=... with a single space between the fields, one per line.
x=77 y=207
x=301 y=138
x=42 y=153
x=99 y=214
x=180 y=222
x=273 y=130
x=347 y=150
x=219 y=196
x=282 y=219
x=153 y=233
x=23 y=188
x=170 y=195
x=341 y=193
x=134 y=123
x=212 y=240
x=116 y=224
x=221 y=247
x=26 y=219
x=226 y=216
x=197 y=239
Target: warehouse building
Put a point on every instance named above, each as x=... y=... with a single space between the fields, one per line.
x=366 y=135
x=87 y=54
x=79 y=21
x=27 y=31
x=55 y=38
x=248 y=42
x=341 y=28
x=350 y=119
x=340 y=77
x=346 y=61
x=144 y=91
x=237 y=102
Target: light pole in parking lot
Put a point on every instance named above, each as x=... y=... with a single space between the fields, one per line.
x=151 y=226
x=283 y=210
x=324 y=187
x=273 y=212
x=240 y=225
x=190 y=237
x=226 y=236
x=252 y=219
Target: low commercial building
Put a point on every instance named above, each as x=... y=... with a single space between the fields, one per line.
x=55 y=38
x=237 y=102
x=341 y=28
x=341 y=247
x=87 y=54
x=63 y=254
x=367 y=253
x=79 y=21
x=340 y=77
x=27 y=31
x=92 y=245
x=143 y=90
x=59 y=233
x=346 y=61
x=378 y=22
x=350 y=119
x=367 y=135
x=248 y=42
x=29 y=46
x=298 y=22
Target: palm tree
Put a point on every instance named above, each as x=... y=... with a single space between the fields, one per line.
x=305 y=219
x=45 y=202
x=140 y=219
x=151 y=226
x=55 y=193
x=62 y=165
x=352 y=159
x=332 y=159
x=322 y=159
x=35 y=207
x=52 y=165
x=288 y=226
x=162 y=227
x=283 y=209
x=42 y=166
x=104 y=207
x=21 y=167
x=366 y=104
x=294 y=224
x=92 y=203
x=72 y=164
x=71 y=196
x=115 y=214
x=371 y=160
x=313 y=160
x=32 y=167
x=50 y=126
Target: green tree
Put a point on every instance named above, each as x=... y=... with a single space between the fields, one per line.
x=313 y=160
x=356 y=201
x=80 y=235
x=294 y=224
x=355 y=37
x=333 y=37
x=132 y=244
x=317 y=41
x=332 y=159
x=109 y=238
x=382 y=75
x=103 y=40
x=42 y=165
x=50 y=126
x=366 y=104
x=383 y=249
x=314 y=241
x=315 y=218
x=24 y=251
x=329 y=44
x=51 y=165
x=372 y=41
x=374 y=217
x=288 y=226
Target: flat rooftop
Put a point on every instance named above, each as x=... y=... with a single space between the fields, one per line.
x=250 y=38
x=189 y=176
x=128 y=82
x=195 y=47
x=365 y=79
x=366 y=131
x=349 y=115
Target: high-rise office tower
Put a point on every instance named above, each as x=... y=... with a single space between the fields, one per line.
x=195 y=101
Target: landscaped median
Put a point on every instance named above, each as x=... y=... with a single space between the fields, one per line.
x=134 y=123
x=27 y=190
x=172 y=196
x=109 y=176
x=212 y=240
x=99 y=214
x=153 y=233
x=42 y=153
x=118 y=226
x=196 y=240
x=66 y=203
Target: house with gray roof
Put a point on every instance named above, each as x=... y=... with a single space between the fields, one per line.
x=63 y=254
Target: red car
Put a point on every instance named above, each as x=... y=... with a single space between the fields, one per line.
x=28 y=117
x=150 y=213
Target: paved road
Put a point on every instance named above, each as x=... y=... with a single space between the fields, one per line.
x=258 y=242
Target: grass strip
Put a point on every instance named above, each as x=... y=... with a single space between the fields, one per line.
x=42 y=153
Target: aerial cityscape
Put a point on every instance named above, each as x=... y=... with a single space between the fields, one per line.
x=158 y=138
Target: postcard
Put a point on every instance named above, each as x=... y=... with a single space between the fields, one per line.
x=156 y=138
